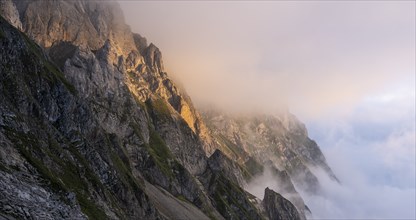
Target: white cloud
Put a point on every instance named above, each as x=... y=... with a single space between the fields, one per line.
x=372 y=151
x=358 y=199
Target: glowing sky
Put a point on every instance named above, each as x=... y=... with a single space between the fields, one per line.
x=323 y=54
x=346 y=68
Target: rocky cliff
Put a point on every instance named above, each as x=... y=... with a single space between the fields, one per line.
x=91 y=126
x=274 y=146
x=280 y=140
x=277 y=207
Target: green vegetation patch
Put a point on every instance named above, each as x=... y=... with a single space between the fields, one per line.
x=51 y=72
x=2 y=34
x=3 y=168
x=133 y=76
x=228 y=197
x=89 y=208
x=251 y=168
x=160 y=153
x=230 y=146
x=125 y=174
x=182 y=198
x=159 y=107
x=60 y=76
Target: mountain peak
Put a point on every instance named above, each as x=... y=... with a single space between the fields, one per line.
x=83 y=23
x=153 y=58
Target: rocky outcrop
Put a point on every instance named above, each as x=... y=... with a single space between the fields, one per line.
x=281 y=140
x=220 y=163
x=9 y=12
x=288 y=190
x=85 y=23
x=24 y=197
x=277 y=207
x=276 y=146
x=227 y=197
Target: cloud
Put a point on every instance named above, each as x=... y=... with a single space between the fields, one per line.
x=372 y=152
x=312 y=56
x=359 y=199
x=261 y=182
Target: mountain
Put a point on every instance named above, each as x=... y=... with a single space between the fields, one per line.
x=281 y=141
x=271 y=148
x=91 y=126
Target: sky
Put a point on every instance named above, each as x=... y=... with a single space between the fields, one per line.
x=372 y=151
x=345 y=68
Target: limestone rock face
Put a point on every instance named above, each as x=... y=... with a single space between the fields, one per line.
x=9 y=12
x=84 y=23
x=289 y=192
x=277 y=207
x=153 y=58
x=141 y=42
x=227 y=197
x=281 y=140
x=221 y=163
x=277 y=146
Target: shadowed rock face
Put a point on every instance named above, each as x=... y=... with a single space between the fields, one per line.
x=227 y=197
x=59 y=158
x=221 y=163
x=277 y=207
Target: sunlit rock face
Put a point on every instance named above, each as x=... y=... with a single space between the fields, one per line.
x=84 y=23
x=91 y=126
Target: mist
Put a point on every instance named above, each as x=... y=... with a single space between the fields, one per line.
x=372 y=152
x=261 y=182
x=344 y=68
x=315 y=57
